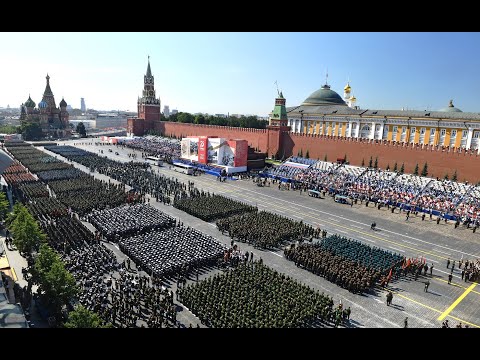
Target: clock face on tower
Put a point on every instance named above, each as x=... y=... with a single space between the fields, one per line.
x=150 y=93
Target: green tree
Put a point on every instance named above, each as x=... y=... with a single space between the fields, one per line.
x=425 y=170
x=325 y=158
x=307 y=155
x=83 y=318
x=415 y=171
x=4 y=206
x=445 y=177
x=395 y=167
x=9 y=129
x=31 y=131
x=375 y=165
x=454 y=176
x=199 y=119
x=370 y=162
x=388 y=167
x=26 y=233
x=301 y=153
x=402 y=168
x=81 y=129
x=56 y=285
x=345 y=157
x=363 y=162
x=173 y=117
x=185 y=117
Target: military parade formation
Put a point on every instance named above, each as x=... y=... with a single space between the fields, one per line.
x=136 y=289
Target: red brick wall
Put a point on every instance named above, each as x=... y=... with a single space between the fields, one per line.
x=150 y=113
x=135 y=126
x=439 y=162
x=256 y=138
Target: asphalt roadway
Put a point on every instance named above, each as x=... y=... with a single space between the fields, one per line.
x=457 y=301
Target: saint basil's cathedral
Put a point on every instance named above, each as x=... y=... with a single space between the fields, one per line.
x=52 y=120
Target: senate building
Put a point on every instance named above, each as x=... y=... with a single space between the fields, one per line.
x=325 y=112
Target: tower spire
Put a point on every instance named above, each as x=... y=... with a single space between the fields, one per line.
x=149 y=71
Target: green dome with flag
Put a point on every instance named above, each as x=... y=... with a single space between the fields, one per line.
x=324 y=96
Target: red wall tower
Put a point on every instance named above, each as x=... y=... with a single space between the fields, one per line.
x=148 y=107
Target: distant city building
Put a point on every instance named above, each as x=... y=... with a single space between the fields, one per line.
x=221 y=115
x=89 y=124
x=174 y=111
x=52 y=120
x=148 y=107
x=69 y=108
x=82 y=105
x=111 y=120
x=166 y=111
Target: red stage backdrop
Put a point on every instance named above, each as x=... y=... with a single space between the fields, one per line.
x=202 y=150
x=241 y=152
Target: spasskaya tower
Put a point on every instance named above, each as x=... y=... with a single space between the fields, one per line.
x=148 y=107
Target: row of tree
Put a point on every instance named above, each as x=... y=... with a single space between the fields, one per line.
x=56 y=285
x=242 y=121
x=33 y=131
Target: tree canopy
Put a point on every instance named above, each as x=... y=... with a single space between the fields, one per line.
x=55 y=284
x=31 y=131
x=84 y=319
x=4 y=206
x=233 y=121
x=26 y=232
x=81 y=129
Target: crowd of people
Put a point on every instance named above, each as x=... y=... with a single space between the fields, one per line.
x=166 y=252
x=134 y=174
x=85 y=194
x=129 y=220
x=209 y=207
x=165 y=148
x=255 y=296
x=339 y=270
x=372 y=257
x=266 y=230
x=118 y=296
x=348 y=263
x=386 y=188
x=62 y=174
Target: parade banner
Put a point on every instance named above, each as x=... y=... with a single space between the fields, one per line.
x=202 y=150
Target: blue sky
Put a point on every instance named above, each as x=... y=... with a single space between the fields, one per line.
x=235 y=72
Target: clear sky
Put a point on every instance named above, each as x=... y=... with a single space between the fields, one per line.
x=235 y=72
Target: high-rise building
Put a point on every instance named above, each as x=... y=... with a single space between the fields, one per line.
x=166 y=111
x=174 y=111
x=82 y=105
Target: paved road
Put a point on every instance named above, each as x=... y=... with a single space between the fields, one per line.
x=412 y=238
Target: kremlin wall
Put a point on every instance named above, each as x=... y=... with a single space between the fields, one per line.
x=448 y=140
x=440 y=162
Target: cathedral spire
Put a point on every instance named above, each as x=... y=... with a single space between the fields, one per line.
x=48 y=91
